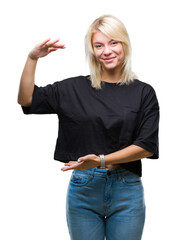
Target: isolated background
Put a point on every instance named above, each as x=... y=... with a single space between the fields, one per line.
x=32 y=186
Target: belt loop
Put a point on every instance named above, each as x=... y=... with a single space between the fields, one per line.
x=118 y=173
x=93 y=171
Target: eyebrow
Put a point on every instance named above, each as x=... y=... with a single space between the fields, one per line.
x=97 y=43
x=102 y=43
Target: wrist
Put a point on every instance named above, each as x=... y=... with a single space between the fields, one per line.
x=102 y=161
x=98 y=162
x=32 y=57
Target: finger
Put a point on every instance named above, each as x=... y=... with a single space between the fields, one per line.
x=68 y=168
x=55 y=47
x=82 y=159
x=70 y=163
x=44 y=42
x=67 y=164
x=64 y=169
x=52 y=49
x=51 y=43
x=58 y=45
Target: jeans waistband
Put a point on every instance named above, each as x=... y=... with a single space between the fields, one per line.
x=102 y=172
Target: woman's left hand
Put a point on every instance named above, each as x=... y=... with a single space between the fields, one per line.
x=88 y=161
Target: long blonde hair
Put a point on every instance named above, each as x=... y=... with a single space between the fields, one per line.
x=114 y=29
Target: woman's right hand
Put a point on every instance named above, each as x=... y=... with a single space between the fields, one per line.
x=44 y=48
x=27 y=79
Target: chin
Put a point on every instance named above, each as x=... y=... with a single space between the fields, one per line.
x=110 y=67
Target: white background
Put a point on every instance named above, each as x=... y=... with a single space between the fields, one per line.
x=32 y=186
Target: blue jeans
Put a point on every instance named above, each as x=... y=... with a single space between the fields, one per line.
x=105 y=203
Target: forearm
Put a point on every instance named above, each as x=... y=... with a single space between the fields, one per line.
x=26 y=87
x=128 y=154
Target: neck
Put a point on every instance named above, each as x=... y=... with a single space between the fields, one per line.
x=111 y=76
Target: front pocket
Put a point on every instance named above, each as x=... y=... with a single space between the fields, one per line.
x=133 y=180
x=80 y=179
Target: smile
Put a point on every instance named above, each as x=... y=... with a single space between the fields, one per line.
x=109 y=59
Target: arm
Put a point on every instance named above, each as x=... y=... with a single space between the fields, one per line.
x=27 y=82
x=128 y=154
x=28 y=76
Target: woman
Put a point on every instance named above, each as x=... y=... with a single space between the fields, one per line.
x=108 y=121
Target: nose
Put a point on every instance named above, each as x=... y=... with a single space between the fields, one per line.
x=107 y=50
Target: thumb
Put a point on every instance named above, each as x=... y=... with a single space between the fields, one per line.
x=86 y=158
x=81 y=159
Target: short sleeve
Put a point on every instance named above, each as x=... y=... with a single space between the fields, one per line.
x=148 y=123
x=45 y=100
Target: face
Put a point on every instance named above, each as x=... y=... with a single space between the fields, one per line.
x=108 y=52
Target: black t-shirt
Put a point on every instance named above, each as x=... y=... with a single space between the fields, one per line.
x=100 y=121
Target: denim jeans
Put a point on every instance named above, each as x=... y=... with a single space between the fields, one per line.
x=105 y=204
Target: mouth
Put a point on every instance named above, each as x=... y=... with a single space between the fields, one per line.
x=110 y=59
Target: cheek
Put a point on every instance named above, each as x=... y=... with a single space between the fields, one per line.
x=123 y=52
x=120 y=51
x=120 y=48
x=98 y=53
x=122 y=55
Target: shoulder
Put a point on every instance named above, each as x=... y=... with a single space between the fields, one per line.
x=148 y=94
x=143 y=91
x=143 y=87
x=140 y=84
x=73 y=81
x=74 y=85
x=68 y=84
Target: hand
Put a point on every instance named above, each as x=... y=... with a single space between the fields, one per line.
x=88 y=161
x=44 y=48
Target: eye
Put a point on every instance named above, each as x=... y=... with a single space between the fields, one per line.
x=114 y=43
x=98 y=46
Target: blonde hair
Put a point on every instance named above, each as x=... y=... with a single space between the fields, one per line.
x=114 y=29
